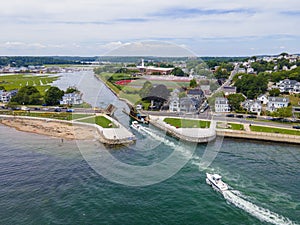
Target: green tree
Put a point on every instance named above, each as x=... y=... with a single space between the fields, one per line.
x=274 y=92
x=283 y=112
x=53 y=96
x=221 y=73
x=193 y=83
x=28 y=95
x=235 y=101
x=251 y=85
x=178 y=72
x=147 y=87
x=71 y=90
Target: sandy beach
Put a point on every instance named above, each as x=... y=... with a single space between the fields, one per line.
x=52 y=128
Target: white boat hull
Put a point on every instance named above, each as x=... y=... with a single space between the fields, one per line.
x=214 y=180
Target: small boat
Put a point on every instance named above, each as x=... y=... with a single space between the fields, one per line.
x=135 y=125
x=215 y=181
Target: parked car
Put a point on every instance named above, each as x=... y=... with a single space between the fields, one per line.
x=239 y=116
x=252 y=117
x=296 y=127
x=57 y=110
x=286 y=120
x=230 y=115
x=276 y=119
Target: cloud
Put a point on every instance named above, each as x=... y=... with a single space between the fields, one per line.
x=50 y=27
x=189 y=12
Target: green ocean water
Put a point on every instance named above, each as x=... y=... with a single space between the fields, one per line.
x=44 y=181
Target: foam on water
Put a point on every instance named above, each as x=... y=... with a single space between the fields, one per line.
x=259 y=212
x=232 y=196
x=184 y=151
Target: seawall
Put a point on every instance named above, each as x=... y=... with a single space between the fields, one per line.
x=263 y=136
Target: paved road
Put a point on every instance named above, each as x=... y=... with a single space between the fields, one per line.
x=222 y=118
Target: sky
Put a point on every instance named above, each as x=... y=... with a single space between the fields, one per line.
x=97 y=27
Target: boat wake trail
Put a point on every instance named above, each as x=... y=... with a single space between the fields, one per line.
x=260 y=213
x=184 y=150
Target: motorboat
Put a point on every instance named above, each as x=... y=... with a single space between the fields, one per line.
x=215 y=180
x=135 y=125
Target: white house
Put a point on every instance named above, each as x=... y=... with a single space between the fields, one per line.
x=263 y=99
x=286 y=85
x=72 y=99
x=277 y=103
x=296 y=89
x=250 y=70
x=174 y=104
x=5 y=96
x=174 y=101
x=252 y=106
x=221 y=105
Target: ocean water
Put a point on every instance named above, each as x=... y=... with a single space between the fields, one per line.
x=46 y=181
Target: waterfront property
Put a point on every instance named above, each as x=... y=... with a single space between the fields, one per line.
x=277 y=103
x=252 y=106
x=222 y=105
x=72 y=99
x=287 y=85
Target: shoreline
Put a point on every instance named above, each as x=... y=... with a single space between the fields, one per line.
x=69 y=130
x=204 y=138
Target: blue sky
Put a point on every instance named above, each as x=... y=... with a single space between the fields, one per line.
x=94 y=27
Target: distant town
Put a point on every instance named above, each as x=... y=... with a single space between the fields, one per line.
x=258 y=85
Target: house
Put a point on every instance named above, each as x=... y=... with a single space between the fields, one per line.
x=228 y=90
x=277 y=103
x=221 y=105
x=250 y=70
x=72 y=99
x=5 y=96
x=196 y=94
x=253 y=106
x=189 y=104
x=242 y=70
x=263 y=99
x=286 y=85
x=174 y=105
x=296 y=89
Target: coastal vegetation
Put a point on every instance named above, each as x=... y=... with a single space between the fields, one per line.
x=274 y=130
x=50 y=115
x=99 y=120
x=251 y=86
x=187 y=123
x=27 y=95
x=41 y=82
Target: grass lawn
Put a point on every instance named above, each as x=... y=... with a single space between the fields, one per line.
x=274 y=130
x=236 y=126
x=101 y=121
x=186 y=123
x=230 y=126
x=294 y=100
x=41 y=82
x=50 y=115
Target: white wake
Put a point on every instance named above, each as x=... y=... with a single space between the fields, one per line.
x=184 y=151
x=259 y=212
